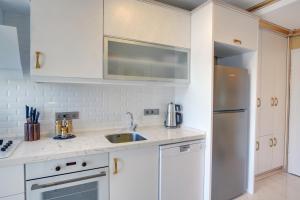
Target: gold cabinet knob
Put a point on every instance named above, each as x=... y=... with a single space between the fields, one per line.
x=115 y=166
x=37 y=64
x=276 y=101
x=275 y=142
x=237 y=41
x=258 y=102
x=272 y=101
x=271 y=142
x=257 y=145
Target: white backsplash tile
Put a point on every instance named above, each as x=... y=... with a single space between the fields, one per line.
x=100 y=106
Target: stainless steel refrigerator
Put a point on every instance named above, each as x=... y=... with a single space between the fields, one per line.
x=230 y=132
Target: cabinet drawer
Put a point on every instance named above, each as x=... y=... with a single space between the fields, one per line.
x=13 y=180
x=147 y=22
x=235 y=28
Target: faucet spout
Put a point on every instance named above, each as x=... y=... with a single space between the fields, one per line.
x=133 y=126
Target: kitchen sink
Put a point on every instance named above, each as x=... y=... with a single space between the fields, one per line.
x=124 y=137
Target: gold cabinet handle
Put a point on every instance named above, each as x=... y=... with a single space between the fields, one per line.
x=276 y=101
x=275 y=141
x=37 y=64
x=257 y=145
x=258 y=102
x=271 y=143
x=237 y=41
x=272 y=101
x=116 y=166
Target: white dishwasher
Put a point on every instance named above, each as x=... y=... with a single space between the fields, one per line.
x=182 y=171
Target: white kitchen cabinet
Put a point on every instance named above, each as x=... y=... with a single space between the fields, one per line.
x=147 y=22
x=12 y=181
x=67 y=38
x=271 y=109
x=269 y=153
x=234 y=27
x=14 y=197
x=278 y=150
x=265 y=153
x=134 y=174
x=129 y=60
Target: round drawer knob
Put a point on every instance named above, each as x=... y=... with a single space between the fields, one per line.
x=84 y=164
x=58 y=168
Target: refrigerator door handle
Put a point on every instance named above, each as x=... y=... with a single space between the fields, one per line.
x=229 y=111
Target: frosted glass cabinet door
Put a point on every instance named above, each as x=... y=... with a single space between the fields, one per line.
x=130 y=60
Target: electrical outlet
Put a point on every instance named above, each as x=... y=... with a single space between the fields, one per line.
x=151 y=112
x=66 y=115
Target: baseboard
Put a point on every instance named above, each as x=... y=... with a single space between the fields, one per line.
x=268 y=173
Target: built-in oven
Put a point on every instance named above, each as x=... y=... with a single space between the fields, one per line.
x=80 y=178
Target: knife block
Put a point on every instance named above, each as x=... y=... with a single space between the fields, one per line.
x=32 y=132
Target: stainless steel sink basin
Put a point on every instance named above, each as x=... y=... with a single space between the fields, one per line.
x=125 y=137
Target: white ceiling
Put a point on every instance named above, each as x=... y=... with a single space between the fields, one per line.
x=17 y=6
x=285 y=13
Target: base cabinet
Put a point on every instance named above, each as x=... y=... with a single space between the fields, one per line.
x=12 y=181
x=269 y=153
x=134 y=174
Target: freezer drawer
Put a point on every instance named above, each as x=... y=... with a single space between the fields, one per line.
x=182 y=171
x=230 y=155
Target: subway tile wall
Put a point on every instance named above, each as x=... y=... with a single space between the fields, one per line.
x=100 y=106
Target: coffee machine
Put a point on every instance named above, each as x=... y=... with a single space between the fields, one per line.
x=174 y=116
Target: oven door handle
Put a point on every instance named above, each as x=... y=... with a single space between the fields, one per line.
x=37 y=186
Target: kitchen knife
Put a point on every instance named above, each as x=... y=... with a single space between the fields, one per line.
x=37 y=117
x=33 y=115
x=27 y=114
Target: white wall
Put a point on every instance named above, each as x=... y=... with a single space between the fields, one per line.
x=294 y=126
x=197 y=99
x=100 y=106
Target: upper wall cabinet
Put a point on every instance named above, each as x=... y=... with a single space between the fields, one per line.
x=130 y=60
x=147 y=22
x=235 y=27
x=67 y=38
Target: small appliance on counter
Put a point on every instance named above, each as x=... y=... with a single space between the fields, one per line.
x=32 y=125
x=174 y=116
x=64 y=125
x=8 y=146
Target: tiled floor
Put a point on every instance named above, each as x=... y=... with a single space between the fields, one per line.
x=278 y=187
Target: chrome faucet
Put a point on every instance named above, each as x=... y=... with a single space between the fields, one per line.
x=133 y=126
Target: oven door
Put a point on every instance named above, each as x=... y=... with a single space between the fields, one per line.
x=87 y=185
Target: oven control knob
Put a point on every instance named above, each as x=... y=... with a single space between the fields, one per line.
x=58 y=168
x=84 y=164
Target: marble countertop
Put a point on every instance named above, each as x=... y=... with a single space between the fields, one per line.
x=94 y=142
